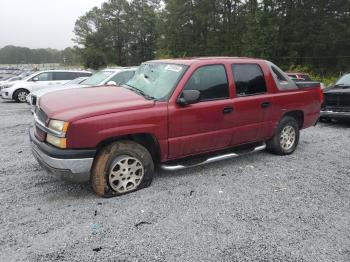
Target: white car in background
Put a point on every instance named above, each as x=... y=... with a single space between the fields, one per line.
x=110 y=76
x=11 y=79
x=31 y=98
x=19 y=90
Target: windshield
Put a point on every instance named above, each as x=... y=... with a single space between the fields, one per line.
x=97 y=78
x=344 y=80
x=156 y=80
x=75 y=81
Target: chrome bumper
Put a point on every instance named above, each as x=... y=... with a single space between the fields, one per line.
x=335 y=114
x=72 y=168
x=77 y=170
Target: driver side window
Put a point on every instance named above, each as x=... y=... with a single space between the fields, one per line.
x=44 y=77
x=211 y=82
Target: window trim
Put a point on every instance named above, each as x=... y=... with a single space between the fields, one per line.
x=209 y=100
x=234 y=80
x=288 y=85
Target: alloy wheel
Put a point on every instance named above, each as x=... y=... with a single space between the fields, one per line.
x=125 y=174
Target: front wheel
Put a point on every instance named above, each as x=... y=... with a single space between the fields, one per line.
x=120 y=168
x=20 y=95
x=286 y=139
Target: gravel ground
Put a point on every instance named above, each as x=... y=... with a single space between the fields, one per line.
x=255 y=208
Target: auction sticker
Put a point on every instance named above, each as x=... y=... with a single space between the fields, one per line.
x=174 y=68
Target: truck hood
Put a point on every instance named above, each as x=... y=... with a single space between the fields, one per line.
x=74 y=104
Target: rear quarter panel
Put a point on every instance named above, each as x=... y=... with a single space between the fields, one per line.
x=306 y=100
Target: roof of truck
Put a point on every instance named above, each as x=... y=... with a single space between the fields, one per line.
x=193 y=60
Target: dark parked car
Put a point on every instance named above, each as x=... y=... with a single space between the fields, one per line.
x=337 y=100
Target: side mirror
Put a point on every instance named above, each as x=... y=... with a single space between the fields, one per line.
x=189 y=97
x=111 y=83
x=34 y=79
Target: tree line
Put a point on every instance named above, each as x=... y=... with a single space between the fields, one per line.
x=313 y=33
x=23 y=55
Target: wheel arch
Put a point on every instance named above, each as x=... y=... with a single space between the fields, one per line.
x=18 y=89
x=149 y=141
x=298 y=115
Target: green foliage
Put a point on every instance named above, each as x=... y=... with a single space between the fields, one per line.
x=327 y=79
x=23 y=55
x=314 y=32
x=120 y=32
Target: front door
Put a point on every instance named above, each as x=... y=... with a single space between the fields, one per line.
x=41 y=81
x=205 y=126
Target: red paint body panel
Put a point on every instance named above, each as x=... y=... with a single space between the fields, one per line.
x=97 y=114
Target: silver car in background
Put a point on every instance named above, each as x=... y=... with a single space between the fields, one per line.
x=19 y=90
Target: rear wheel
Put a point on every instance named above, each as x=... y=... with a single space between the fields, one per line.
x=120 y=168
x=286 y=139
x=20 y=95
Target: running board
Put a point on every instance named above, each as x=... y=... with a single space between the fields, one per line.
x=168 y=167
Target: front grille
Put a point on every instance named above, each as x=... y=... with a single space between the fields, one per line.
x=41 y=115
x=336 y=100
x=39 y=134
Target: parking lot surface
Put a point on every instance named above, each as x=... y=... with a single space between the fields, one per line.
x=259 y=207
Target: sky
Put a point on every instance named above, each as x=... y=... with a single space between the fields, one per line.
x=41 y=23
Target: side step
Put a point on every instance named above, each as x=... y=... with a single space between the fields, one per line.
x=175 y=167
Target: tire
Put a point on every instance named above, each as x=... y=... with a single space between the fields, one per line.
x=20 y=95
x=121 y=168
x=286 y=139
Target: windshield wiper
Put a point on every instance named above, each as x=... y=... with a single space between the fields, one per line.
x=140 y=92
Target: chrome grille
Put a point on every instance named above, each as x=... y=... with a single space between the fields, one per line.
x=337 y=100
x=34 y=99
x=42 y=117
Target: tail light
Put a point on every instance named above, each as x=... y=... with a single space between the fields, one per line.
x=321 y=95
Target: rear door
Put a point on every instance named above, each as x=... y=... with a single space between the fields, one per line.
x=251 y=104
x=204 y=126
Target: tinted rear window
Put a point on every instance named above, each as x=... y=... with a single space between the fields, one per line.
x=249 y=79
x=64 y=76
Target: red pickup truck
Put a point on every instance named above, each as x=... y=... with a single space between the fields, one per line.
x=171 y=111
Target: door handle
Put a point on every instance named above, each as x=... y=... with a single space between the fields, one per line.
x=265 y=104
x=227 y=110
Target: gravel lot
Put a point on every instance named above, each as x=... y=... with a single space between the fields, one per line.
x=255 y=208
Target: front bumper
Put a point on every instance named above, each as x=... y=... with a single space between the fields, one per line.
x=72 y=165
x=334 y=114
x=5 y=94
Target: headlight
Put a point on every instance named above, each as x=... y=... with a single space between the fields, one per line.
x=56 y=141
x=59 y=126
